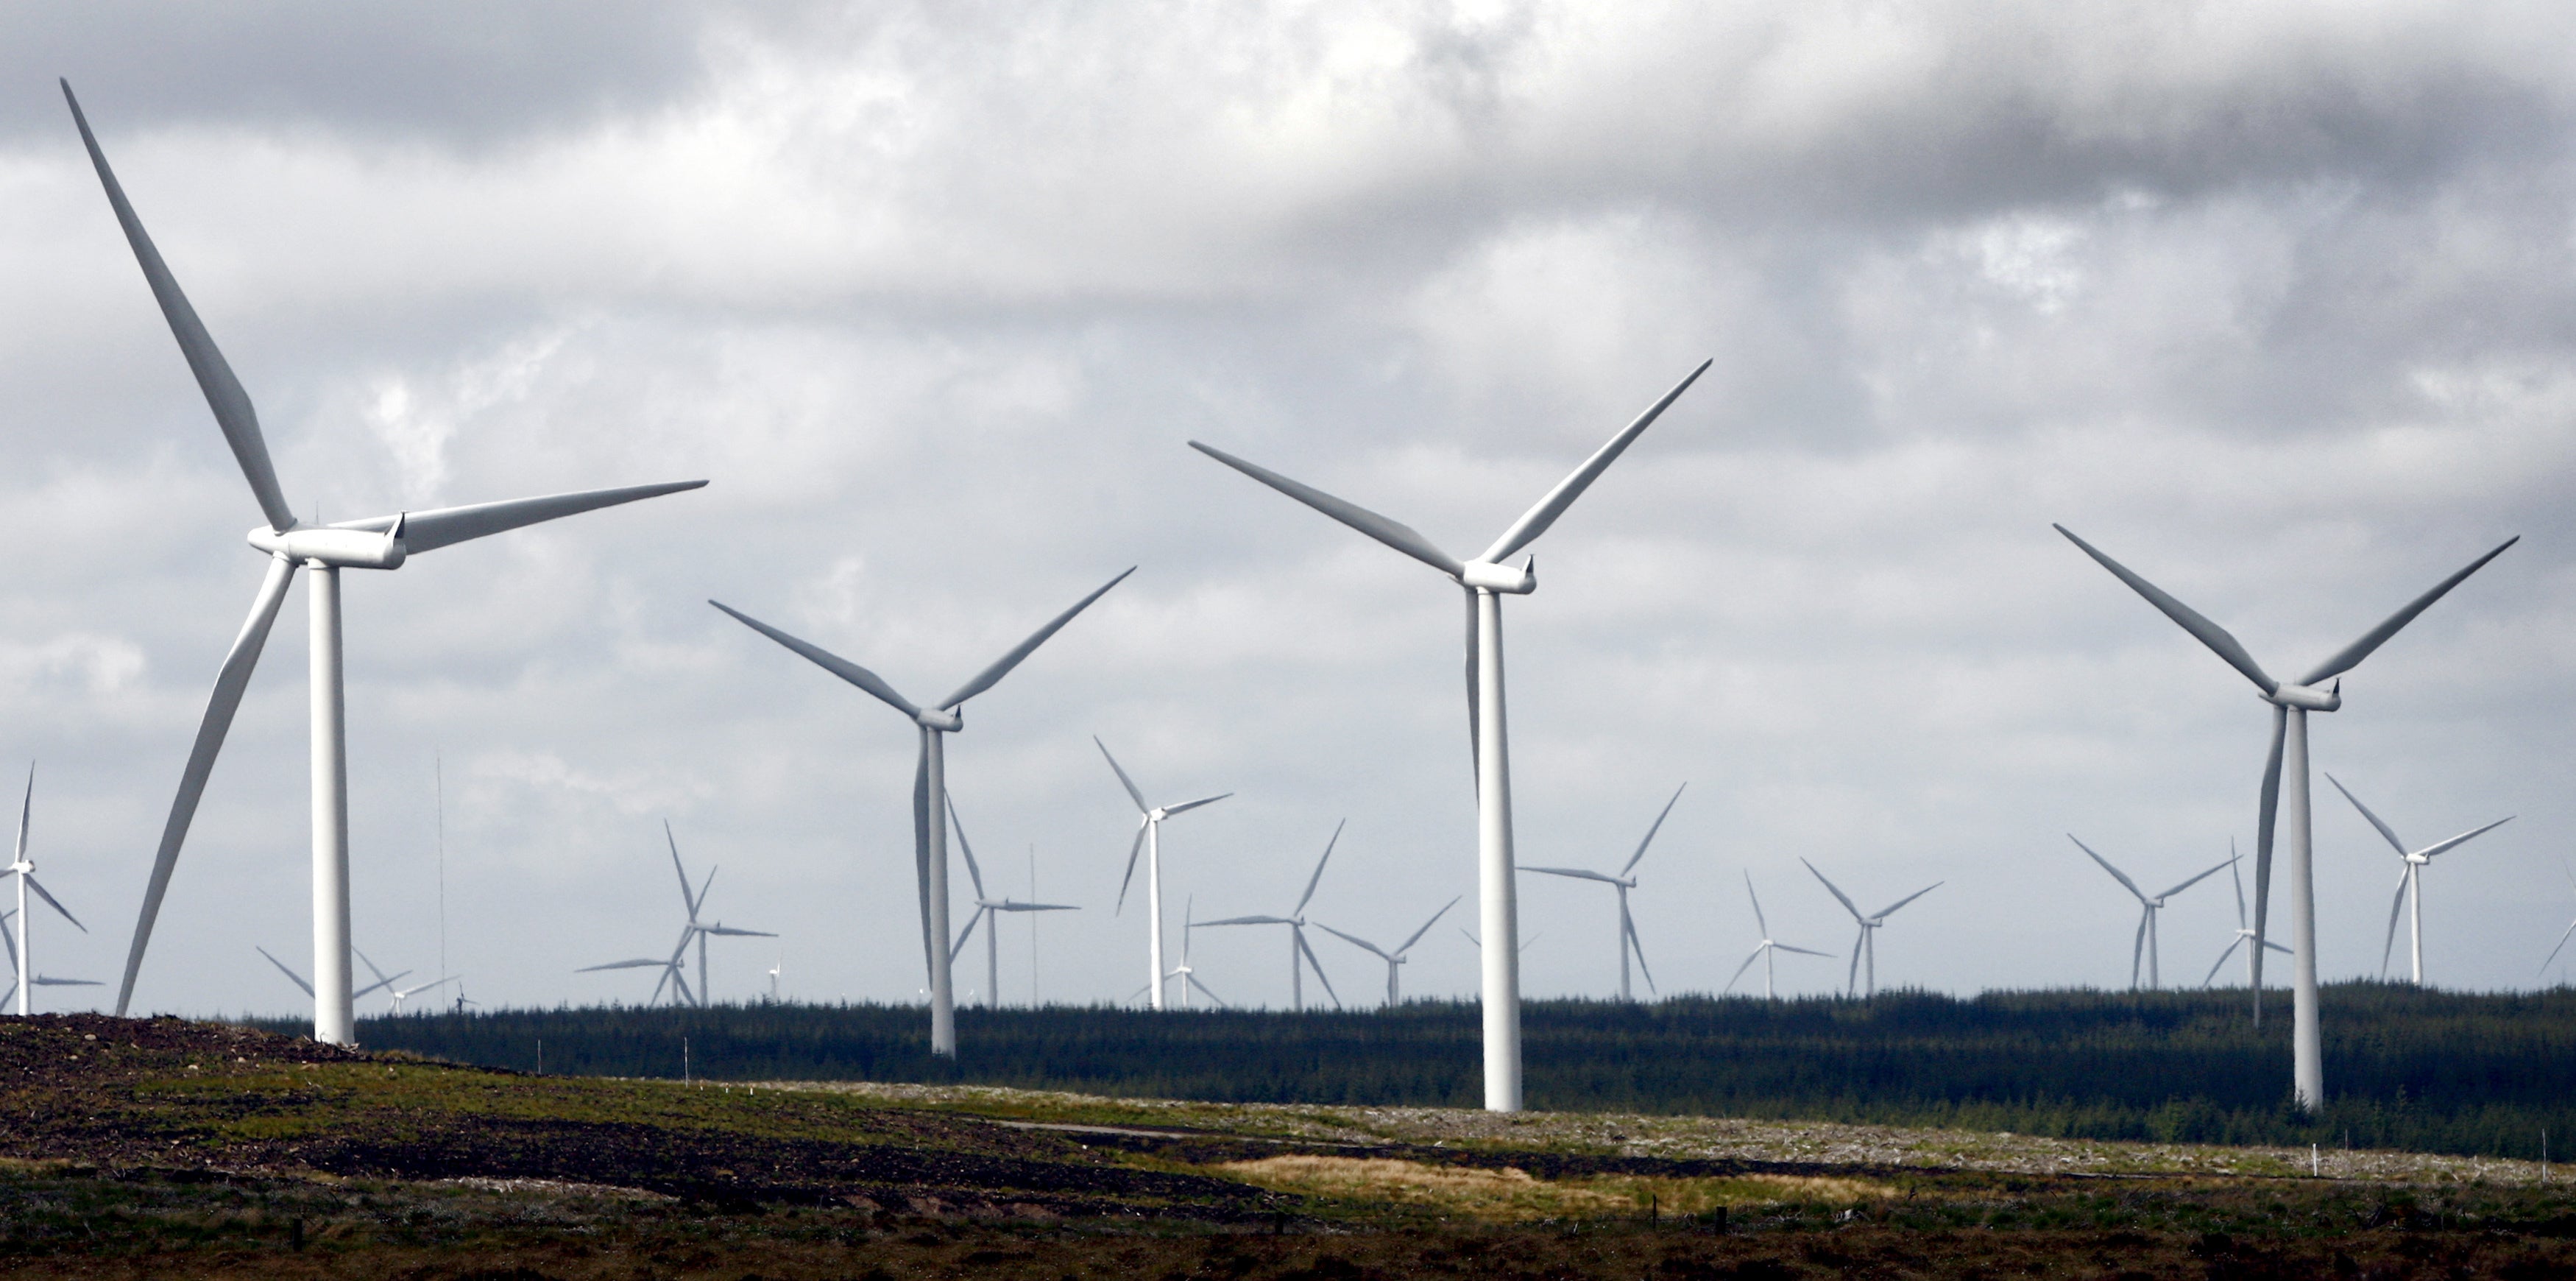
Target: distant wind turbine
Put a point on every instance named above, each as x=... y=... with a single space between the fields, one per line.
x=1300 y=954
x=401 y=995
x=25 y=871
x=692 y=931
x=1867 y=944
x=1486 y=579
x=1769 y=946
x=2410 y=883
x=378 y=542
x=1189 y=977
x=1623 y=883
x=2151 y=905
x=986 y=914
x=2244 y=932
x=1394 y=959
x=2291 y=702
x=1149 y=841
x=930 y=780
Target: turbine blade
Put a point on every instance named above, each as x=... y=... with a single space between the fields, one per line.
x=2195 y=880
x=2227 y=952
x=371 y=965
x=2263 y=823
x=9 y=940
x=2395 y=907
x=1650 y=832
x=1802 y=951
x=1628 y=929
x=2116 y=873
x=1739 y=970
x=1244 y=920
x=1838 y=894
x=624 y=965
x=1890 y=909
x=230 y=680
x=1536 y=520
x=26 y=810
x=215 y=378
x=1186 y=806
x=1355 y=940
x=1193 y=980
x=2351 y=655
x=1002 y=666
x=1851 y=981
x=2384 y=830
x=2138 y=950
x=2444 y=847
x=2217 y=638
x=1757 y=905
x=1123 y=780
x=298 y=979
x=427 y=531
x=1575 y=872
x=1318 y=877
x=1475 y=691
x=921 y=853
x=687 y=899
x=969 y=932
x=828 y=661
x=2233 y=874
x=973 y=872
x=1401 y=537
x=55 y=903
x=1426 y=926
x=2553 y=952
x=1134 y=848
x=1317 y=966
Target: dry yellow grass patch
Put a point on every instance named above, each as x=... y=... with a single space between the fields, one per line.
x=1511 y=1193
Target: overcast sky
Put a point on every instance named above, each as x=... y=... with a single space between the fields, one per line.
x=2275 y=302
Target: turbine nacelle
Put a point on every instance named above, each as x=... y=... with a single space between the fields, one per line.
x=2307 y=697
x=335 y=548
x=945 y=719
x=1491 y=577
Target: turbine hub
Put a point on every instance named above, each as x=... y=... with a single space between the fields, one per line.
x=947 y=719
x=333 y=548
x=2307 y=698
x=1486 y=574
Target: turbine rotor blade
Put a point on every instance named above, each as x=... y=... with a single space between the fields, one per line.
x=1426 y=926
x=1890 y=909
x=623 y=965
x=2384 y=830
x=2444 y=847
x=298 y=979
x=1193 y=981
x=2395 y=907
x=921 y=853
x=230 y=681
x=1395 y=534
x=1354 y=940
x=687 y=899
x=427 y=531
x=1802 y=951
x=1186 y=806
x=2138 y=950
x=1243 y=920
x=828 y=661
x=55 y=903
x=214 y=375
x=1134 y=848
x=2351 y=655
x=1739 y=970
x=1123 y=780
x=1002 y=666
x=2553 y=952
x=1308 y=952
x=1658 y=826
x=2116 y=873
x=1575 y=872
x=1318 y=877
x=2228 y=951
x=959 y=949
x=1628 y=930
x=2219 y=640
x=1536 y=520
x=1475 y=691
x=2196 y=880
x=2264 y=820
x=973 y=872
x=1839 y=896
x=1757 y=905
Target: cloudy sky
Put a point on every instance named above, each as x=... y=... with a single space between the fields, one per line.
x=2276 y=302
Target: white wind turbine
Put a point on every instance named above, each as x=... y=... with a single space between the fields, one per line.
x=1623 y=883
x=930 y=779
x=383 y=980
x=1486 y=579
x=1867 y=943
x=401 y=995
x=1769 y=946
x=2291 y=702
x=25 y=871
x=1395 y=959
x=693 y=931
x=2151 y=904
x=1149 y=842
x=1299 y=954
x=987 y=914
x=1189 y=978
x=378 y=542
x=2410 y=883
x=2244 y=931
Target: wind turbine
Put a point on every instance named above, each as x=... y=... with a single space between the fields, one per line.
x=383 y=980
x=702 y=932
x=986 y=914
x=1395 y=959
x=1485 y=580
x=1867 y=943
x=1149 y=841
x=930 y=779
x=1769 y=945
x=2152 y=904
x=1299 y=953
x=2291 y=702
x=1623 y=883
x=401 y=995
x=26 y=874
x=378 y=542
x=773 y=977
x=2244 y=932
x=1189 y=978
x=2410 y=883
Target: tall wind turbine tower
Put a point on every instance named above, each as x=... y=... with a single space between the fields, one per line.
x=1623 y=882
x=1486 y=580
x=1149 y=842
x=2410 y=882
x=2291 y=702
x=378 y=542
x=930 y=781
x=2145 y=946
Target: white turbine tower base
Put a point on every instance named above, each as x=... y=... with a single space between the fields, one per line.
x=2291 y=702
x=1485 y=580
x=381 y=542
x=2410 y=882
x=1149 y=841
x=930 y=780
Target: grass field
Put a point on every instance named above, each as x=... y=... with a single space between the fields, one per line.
x=150 y=1148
